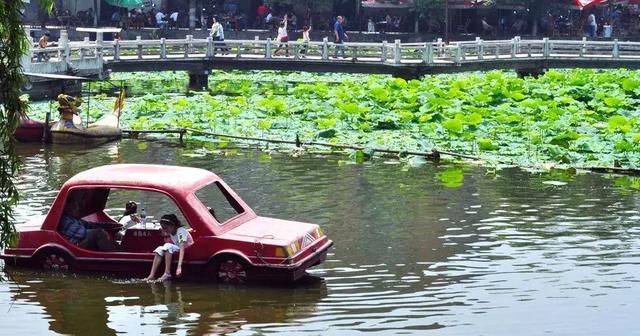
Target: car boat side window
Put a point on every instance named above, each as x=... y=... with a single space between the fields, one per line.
x=221 y=204
x=155 y=205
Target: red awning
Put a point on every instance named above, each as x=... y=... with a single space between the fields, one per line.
x=588 y=3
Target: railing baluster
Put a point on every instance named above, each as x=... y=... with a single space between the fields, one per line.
x=397 y=53
x=325 y=48
x=383 y=52
x=99 y=43
x=256 y=45
x=546 y=48
x=116 y=50
x=616 y=49
x=268 y=49
x=583 y=47
x=458 y=53
x=239 y=51
x=85 y=41
x=139 y=42
x=163 y=48
x=63 y=41
x=209 y=46
x=187 y=45
x=428 y=53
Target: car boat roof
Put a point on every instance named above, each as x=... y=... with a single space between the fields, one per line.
x=174 y=179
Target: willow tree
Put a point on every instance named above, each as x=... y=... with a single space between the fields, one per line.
x=13 y=45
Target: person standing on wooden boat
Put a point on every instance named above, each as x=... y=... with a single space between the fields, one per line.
x=69 y=107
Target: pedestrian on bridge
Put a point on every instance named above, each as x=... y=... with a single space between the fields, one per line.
x=593 y=25
x=173 y=20
x=341 y=36
x=305 y=39
x=283 y=37
x=217 y=32
x=43 y=43
x=162 y=24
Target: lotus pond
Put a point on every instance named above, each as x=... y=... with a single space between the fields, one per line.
x=565 y=118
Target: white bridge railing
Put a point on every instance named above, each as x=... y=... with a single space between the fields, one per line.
x=86 y=54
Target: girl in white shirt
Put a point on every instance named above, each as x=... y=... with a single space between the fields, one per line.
x=283 y=37
x=305 y=39
x=129 y=218
x=217 y=32
x=177 y=241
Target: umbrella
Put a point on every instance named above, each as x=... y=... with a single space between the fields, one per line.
x=126 y=3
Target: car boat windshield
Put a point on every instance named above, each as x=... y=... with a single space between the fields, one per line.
x=221 y=204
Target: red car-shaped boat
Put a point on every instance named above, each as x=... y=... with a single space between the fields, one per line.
x=231 y=243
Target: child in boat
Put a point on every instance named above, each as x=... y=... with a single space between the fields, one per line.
x=177 y=240
x=129 y=218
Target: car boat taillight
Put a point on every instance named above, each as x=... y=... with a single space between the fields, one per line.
x=281 y=252
x=292 y=249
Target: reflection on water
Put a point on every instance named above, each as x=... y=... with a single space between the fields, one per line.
x=73 y=304
x=433 y=249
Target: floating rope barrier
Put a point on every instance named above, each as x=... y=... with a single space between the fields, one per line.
x=434 y=155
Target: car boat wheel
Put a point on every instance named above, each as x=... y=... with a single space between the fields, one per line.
x=232 y=271
x=56 y=262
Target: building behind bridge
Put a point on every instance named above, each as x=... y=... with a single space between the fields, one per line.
x=494 y=18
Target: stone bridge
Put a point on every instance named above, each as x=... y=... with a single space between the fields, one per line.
x=407 y=60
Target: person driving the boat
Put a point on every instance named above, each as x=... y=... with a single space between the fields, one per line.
x=85 y=234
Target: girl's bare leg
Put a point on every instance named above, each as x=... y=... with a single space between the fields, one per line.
x=167 y=267
x=167 y=262
x=154 y=267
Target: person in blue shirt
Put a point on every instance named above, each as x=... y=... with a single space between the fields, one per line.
x=85 y=234
x=341 y=36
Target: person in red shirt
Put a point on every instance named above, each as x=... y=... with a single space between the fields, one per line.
x=263 y=10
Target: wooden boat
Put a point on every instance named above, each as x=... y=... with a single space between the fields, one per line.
x=63 y=131
x=66 y=131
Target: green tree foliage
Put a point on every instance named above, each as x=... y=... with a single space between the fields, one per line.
x=13 y=45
